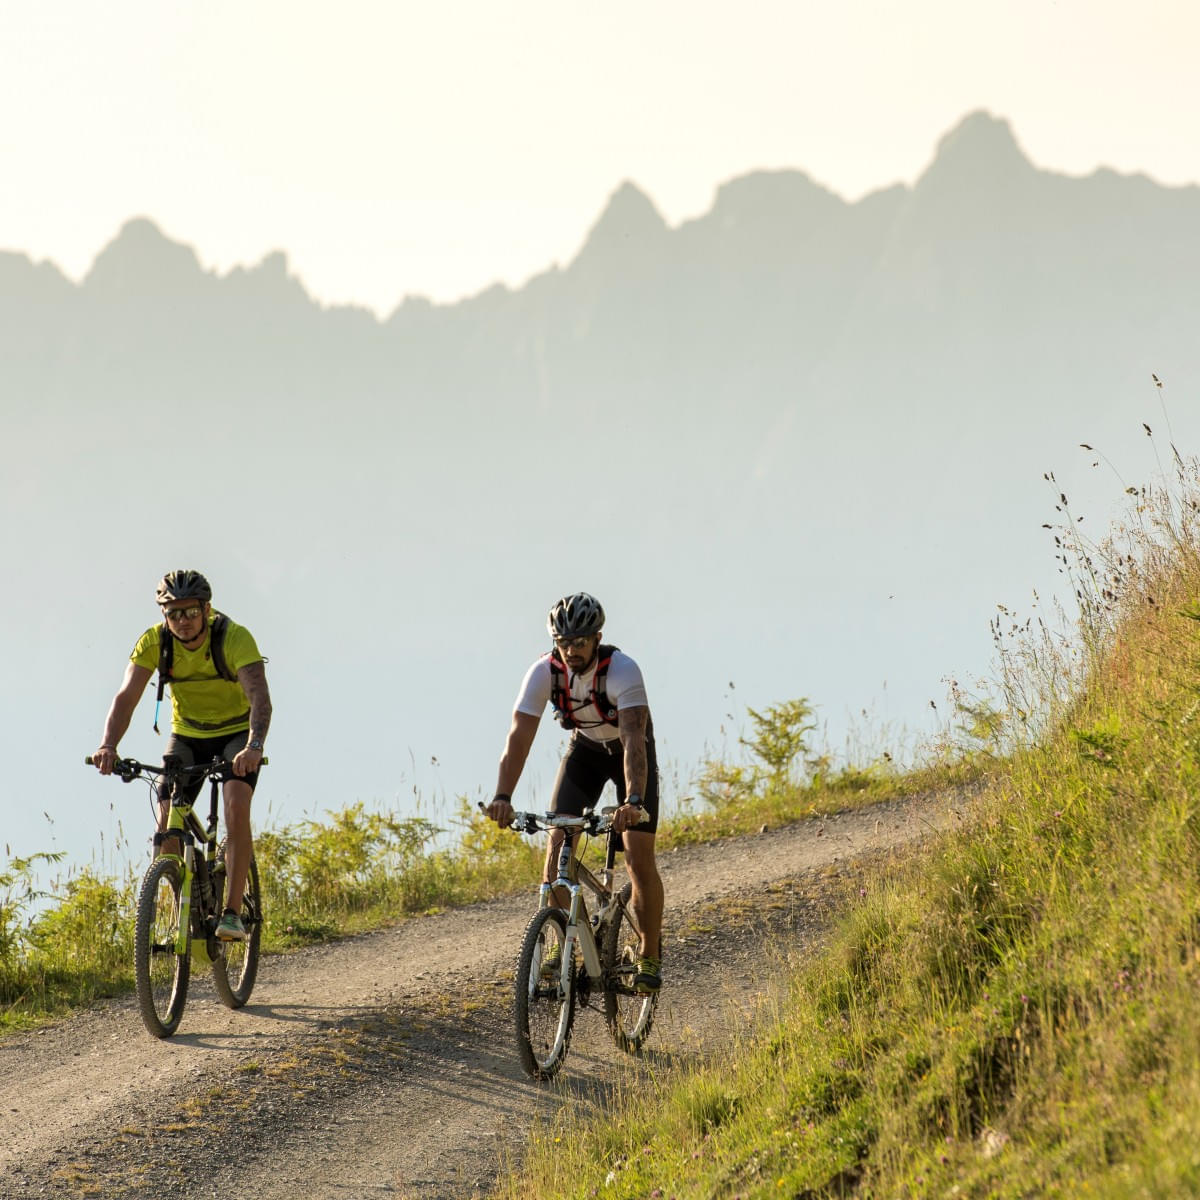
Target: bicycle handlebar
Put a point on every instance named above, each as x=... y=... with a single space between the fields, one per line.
x=129 y=769
x=590 y=822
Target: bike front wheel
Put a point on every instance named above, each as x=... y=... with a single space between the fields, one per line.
x=545 y=995
x=161 y=972
x=628 y=1013
x=235 y=966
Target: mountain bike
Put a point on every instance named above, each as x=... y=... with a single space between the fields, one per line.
x=569 y=958
x=180 y=901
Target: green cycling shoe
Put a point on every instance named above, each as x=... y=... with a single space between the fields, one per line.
x=648 y=979
x=230 y=927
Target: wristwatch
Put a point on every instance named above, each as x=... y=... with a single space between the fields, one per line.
x=254 y=744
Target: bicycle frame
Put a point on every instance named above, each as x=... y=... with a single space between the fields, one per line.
x=573 y=877
x=184 y=824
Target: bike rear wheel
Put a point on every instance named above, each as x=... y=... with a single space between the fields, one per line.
x=629 y=1015
x=545 y=1007
x=161 y=973
x=235 y=967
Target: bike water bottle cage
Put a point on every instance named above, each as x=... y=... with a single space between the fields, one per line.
x=560 y=692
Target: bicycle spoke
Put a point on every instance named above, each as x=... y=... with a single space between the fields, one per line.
x=629 y=1013
x=545 y=1006
x=161 y=973
x=236 y=966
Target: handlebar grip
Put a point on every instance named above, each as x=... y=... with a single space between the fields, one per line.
x=89 y=760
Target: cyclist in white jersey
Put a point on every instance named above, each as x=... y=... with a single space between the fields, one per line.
x=598 y=693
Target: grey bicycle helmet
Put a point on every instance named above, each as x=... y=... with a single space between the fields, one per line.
x=183 y=585
x=579 y=615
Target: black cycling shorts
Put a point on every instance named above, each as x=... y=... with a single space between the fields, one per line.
x=587 y=766
x=192 y=750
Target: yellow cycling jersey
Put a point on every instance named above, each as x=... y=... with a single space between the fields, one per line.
x=202 y=703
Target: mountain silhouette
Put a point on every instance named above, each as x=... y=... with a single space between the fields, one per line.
x=142 y=263
x=796 y=441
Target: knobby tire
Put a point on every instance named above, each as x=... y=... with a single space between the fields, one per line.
x=628 y=1014
x=162 y=975
x=235 y=966
x=544 y=1014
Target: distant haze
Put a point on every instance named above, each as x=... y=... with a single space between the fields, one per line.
x=795 y=444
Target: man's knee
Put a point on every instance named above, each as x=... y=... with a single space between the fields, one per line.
x=237 y=794
x=639 y=855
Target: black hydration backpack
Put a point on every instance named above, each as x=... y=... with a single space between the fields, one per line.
x=216 y=650
x=560 y=693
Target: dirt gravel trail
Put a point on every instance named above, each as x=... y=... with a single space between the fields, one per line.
x=385 y=1064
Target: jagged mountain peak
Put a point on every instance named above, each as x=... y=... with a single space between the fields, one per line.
x=142 y=258
x=629 y=211
x=980 y=147
x=21 y=277
x=979 y=181
x=772 y=193
x=629 y=223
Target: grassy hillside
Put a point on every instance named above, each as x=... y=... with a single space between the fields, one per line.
x=1015 y=1013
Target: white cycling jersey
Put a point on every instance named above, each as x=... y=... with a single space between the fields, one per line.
x=623 y=685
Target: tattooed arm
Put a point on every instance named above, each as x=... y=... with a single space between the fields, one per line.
x=253 y=679
x=631 y=724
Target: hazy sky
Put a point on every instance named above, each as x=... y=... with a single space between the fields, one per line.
x=394 y=148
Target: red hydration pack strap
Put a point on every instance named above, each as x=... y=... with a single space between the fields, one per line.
x=560 y=692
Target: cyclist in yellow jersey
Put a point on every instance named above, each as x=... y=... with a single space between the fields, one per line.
x=211 y=715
